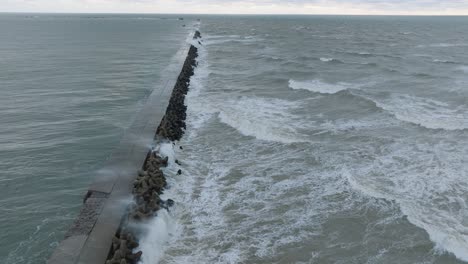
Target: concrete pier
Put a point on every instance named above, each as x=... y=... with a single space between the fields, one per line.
x=90 y=237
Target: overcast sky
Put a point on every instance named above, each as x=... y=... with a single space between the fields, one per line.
x=373 y=7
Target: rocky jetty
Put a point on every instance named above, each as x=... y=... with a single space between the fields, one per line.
x=148 y=186
x=122 y=249
x=173 y=124
x=151 y=181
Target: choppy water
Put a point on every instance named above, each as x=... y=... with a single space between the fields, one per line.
x=323 y=140
x=309 y=139
x=69 y=87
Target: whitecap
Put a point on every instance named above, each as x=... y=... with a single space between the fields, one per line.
x=442 y=45
x=326 y=59
x=262 y=118
x=350 y=125
x=319 y=86
x=425 y=112
x=443 y=61
x=426 y=180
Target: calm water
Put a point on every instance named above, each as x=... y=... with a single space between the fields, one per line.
x=69 y=87
x=324 y=140
x=309 y=139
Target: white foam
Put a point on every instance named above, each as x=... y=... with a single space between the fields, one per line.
x=158 y=232
x=442 y=45
x=221 y=39
x=243 y=201
x=213 y=205
x=349 y=125
x=257 y=117
x=326 y=59
x=265 y=119
x=167 y=150
x=425 y=112
x=444 y=61
x=198 y=108
x=319 y=86
x=427 y=182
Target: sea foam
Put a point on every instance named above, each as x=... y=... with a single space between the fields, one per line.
x=326 y=59
x=428 y=191
x=265 y=119
x=319 y=86
x=443 y=45
x=425 y=112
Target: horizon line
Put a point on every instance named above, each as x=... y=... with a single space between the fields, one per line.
x=233 y=14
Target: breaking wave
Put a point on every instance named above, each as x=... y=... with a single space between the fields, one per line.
x=332 y=60
x=319 y=86
x=262 y=118
x=430 y=191
x=445 y=61
x=326 y=59
x=424 y=112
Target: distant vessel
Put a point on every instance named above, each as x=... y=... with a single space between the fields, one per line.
x=181 y=18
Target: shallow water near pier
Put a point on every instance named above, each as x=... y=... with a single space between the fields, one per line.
x=310 y=139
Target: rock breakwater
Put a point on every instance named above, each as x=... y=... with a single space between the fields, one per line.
x=173 y=123
x=151 y=181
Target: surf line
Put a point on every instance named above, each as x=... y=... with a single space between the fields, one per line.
x=151 y=181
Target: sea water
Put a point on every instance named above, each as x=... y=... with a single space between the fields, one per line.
x=325 y=139
x=70 y=86
x=310 y=139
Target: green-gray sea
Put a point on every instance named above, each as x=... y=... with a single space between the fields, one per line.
x=310 y=139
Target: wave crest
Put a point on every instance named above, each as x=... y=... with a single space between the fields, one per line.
x=425 y=112
x=319 y=86
x=262 y=118
x=443 y=45
x=430 y=192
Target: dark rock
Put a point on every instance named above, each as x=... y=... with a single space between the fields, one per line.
x=170 y=202
x=135 y=257
x=179 y=172
x=166 y=204
x=165 y=161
